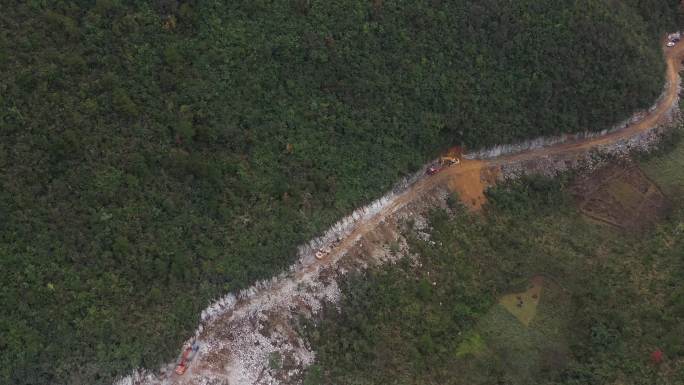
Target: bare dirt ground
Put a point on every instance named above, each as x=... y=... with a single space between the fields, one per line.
x=252 y=337
x=621 y=196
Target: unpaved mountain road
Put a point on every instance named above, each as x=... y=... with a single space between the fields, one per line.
x=239 y=341
x=467 y=179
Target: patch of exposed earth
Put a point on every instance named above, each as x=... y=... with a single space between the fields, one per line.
x=621 y=196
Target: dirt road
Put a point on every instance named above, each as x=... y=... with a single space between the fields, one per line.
x=251 y=339
x=467 y=179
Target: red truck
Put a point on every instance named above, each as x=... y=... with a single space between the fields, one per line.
x=434 y=169
x=186 y=357
x=452 y=157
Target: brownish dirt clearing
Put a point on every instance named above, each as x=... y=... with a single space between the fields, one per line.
x=621 y=196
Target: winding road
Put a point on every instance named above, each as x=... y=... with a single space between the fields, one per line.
x=235 y=352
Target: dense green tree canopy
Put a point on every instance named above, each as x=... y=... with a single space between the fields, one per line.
x=154 y=155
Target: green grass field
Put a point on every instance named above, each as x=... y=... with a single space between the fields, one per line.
x=668 y=170
x=516 y=349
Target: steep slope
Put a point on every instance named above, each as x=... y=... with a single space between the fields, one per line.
x=156 y=155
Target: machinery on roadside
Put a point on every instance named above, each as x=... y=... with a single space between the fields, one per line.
x=451 y=157
x=673 y=39
x=322 y=252
x=187 y=356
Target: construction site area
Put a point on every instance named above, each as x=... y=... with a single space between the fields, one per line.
x=253 y=337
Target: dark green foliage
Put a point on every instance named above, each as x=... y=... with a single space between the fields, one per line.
x=624 y=300
x=154 y=155
x=530 y=196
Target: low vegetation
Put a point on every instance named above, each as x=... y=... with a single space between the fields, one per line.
x=154 y=155
x=666 y=170
x=617 y=298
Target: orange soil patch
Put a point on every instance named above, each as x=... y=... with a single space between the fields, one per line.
x=470 y=179
x=469 y=187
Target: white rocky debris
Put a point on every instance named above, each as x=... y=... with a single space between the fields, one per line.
x=505 y=149
x=245 y=313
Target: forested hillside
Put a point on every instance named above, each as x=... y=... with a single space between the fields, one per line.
x=441 y=323
x=154 y=155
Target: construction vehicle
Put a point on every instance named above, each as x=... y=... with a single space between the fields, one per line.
x=186 y=357
x=323 y=252
x=432 y=170
x=451 y=157
x=673 y=39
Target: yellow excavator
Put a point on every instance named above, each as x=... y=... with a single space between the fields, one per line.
x=451 y=157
